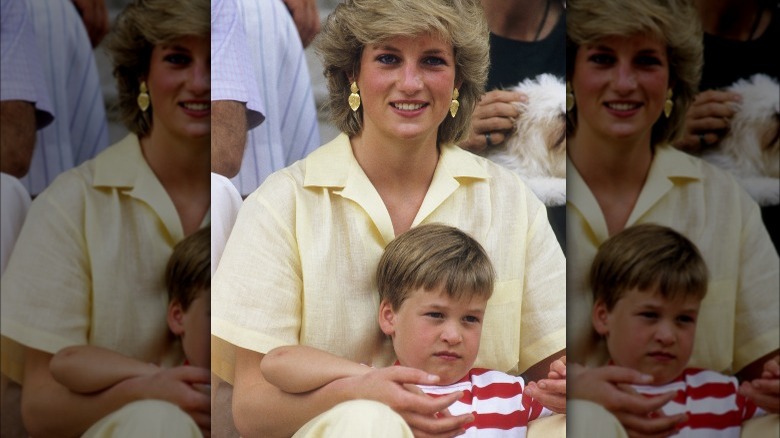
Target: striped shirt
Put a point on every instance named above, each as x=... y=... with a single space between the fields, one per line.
x=715 y=409
x=496 y=400
x=20 y=64
x=290 y=130
x=80 y=129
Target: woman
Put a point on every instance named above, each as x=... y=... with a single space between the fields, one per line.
x=299 y=265
x=633 y=69
x=88 y=265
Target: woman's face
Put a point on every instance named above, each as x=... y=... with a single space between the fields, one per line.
x=620 y=85
x=406 y=86
x=179 y=85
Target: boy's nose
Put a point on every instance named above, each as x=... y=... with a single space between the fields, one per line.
x=451 y=335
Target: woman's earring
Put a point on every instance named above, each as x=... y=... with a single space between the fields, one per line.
x=354 y=98
x=668 y=105
x=569 y=97
x=143 y=97
x=454 y=105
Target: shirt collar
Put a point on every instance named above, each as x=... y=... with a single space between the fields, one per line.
x=669 y=167
x=334 y=166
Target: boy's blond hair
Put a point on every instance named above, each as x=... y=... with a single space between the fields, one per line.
x=646 y=257
x=188 y=272
x=432 y=256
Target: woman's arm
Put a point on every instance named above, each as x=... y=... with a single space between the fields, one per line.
x=51 y=409
x=298 y=368
x=86 y=368
x=254 y=398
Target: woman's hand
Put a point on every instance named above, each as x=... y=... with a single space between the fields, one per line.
x=425 y=415
x=765 y=391
x=608 y=386
x=179 y=386
x=495 y=115
x=551 y=392
x=708 y=119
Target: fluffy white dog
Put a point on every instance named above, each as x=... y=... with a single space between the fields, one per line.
x=536 y=150
x=751 y=149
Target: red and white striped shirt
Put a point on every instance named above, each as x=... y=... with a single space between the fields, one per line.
x=715 y=409
x=496 y=400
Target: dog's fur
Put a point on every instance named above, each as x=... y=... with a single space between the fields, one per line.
x=751 y=149
x=536 y=150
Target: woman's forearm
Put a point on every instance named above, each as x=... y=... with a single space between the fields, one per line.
x=298 y=368
x=87 y=369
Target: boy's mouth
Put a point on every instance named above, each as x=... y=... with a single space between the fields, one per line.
x=447 y=355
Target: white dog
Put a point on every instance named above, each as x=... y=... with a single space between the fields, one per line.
x=751 y=149
x=536 y=150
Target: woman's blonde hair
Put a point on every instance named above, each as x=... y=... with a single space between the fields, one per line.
x=674 y=22
x=142 y=25
x=354 y=24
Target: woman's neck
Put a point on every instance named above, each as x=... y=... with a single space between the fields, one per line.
x=183 y=169
x=400 y=171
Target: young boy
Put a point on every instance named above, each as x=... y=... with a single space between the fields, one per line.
x=434 y=283
x=648 y=282
x=87 y=368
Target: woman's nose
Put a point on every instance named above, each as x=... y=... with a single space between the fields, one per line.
x=411 y=78
x=200 y=78
x=625 y=77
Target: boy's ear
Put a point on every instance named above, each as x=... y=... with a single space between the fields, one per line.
x=176 y=317
x=386 y=318
x=599 y=317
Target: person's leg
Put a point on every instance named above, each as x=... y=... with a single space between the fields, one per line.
x=548 y=427
x=146 y=418
x=761 y=427
x=357 y=418
x=587 y=419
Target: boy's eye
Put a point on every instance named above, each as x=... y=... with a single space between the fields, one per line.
x=471 y=319
x=437 y=315
x=686 y=319
x=648 y=315
x=387 y=59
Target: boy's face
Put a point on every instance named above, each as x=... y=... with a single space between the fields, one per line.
x=649 y=333
x=435 y=333
x=194 y=327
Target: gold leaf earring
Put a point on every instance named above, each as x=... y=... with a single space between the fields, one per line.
x=669 y=104
x=354 y=98
x=569 y=97
x=454 y=105
x=143 y=97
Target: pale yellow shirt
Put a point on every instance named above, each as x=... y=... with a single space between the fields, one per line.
x=738 y=320
x=300 y=262
x=89 y=263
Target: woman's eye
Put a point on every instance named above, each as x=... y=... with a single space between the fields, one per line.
x=387 y=59
x=601 y=59
x=648 y=61
x=177 y=58
x=434 y=60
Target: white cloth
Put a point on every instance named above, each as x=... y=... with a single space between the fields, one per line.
x=290 y=130
x=80 y=129
x=225 y=202
x=15 y=203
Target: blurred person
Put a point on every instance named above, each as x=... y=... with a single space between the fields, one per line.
x=633 y=70
x=88 y=266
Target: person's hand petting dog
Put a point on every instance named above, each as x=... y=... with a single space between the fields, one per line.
x=551 y=392
x=708 y=120
x=609 y=387
x=765 y=391
x=493 y=119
